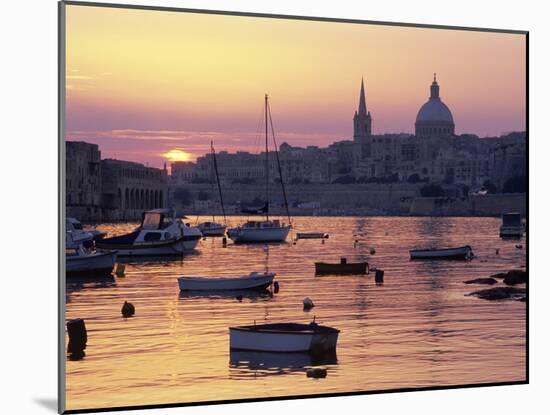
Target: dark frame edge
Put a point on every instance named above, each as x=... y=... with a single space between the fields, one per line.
x=290 y=17
x=61 y=376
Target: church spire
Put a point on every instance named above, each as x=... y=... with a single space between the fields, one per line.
x=362 y=101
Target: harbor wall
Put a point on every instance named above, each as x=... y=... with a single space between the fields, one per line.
x=485 y=205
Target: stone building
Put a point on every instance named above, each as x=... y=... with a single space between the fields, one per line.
x=129 y=188
x=83 y=180
x=183 y=172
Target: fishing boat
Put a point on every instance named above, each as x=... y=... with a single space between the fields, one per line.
x=81 y=261
x=511 y=227
x=284 y=337
x=160 y=233
x=265 y=230
x=342 y=268
x=461 y=252
x=252 y=281
x=311 y=235
x=213 y=228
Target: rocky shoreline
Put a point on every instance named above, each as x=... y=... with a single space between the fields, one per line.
x=509 y=292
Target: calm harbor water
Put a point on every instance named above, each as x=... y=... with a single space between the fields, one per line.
x=417 y=329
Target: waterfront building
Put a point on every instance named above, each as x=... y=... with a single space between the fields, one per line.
x=129 y=188
x=83 y=180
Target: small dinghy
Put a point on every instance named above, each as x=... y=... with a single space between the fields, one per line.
x=311 y=235
x=252 y=281
x=342 y=268
x=284 y=337
x=460 y=253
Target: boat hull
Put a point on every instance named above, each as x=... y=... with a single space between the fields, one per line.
x=256 y=338
x=176 y=246
x=511 y=231
x=248 y=282
x=312 y=235
x=341 y=269
x=213 y=231
x=258 y=235
x=100 y=263
x=459 y=253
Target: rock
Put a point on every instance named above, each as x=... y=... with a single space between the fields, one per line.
x=500 y=275
x=128 y=309
x=488 y=281
x=316 y=372
x=516 y=276
x=308 y=304
x=501 y=293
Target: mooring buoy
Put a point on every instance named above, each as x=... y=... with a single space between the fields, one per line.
x=128 y=309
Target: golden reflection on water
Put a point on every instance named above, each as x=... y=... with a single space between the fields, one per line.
x=417 y=329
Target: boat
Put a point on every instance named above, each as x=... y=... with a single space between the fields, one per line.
x=512 y=227
x=213 y=228
x=461 y=252
x=342 y=268
x=81 y=261
x=260 y=231
x=74 y=225
x=252 y=281
x=160 y=233
x=311 y=235
x=265 y=230
x=284 y=337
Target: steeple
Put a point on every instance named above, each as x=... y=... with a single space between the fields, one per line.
x=434 y=89
x=362 y=101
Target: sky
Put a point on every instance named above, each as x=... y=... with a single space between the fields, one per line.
x=158 y=86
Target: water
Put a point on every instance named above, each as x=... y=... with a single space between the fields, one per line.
x=417 y=329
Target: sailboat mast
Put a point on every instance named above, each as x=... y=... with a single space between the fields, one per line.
x=218 y=181
x=266 y=165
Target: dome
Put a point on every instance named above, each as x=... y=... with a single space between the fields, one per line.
x=434 y=111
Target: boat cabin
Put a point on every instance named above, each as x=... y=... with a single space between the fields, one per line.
x=511 y=219
x=263 y=224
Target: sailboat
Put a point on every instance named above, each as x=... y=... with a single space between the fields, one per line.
x=268 y=230
x=213 y=228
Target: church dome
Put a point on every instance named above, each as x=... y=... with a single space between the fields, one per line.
x=434 y=111
x=434 y=119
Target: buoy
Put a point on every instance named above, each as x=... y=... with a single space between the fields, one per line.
x=379 y=276
x=276 y=287
x=239 y=298
x=372 y=251
x=355 y=243
x=316 y=372
x=128 y=309
x=322 y=241
x=343 y=260
x=308 y=304
x=224 y=242
x=78 y=337
x=119 y=270
x=497 y=251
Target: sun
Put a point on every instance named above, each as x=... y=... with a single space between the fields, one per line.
x=177 y=155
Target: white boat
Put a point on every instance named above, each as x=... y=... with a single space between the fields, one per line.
x=212 y=229
x=284 y=337
x=252 y=281
x=461 y=252
x=80 y=261
x=74 y=225
x=161 y=233
x=265 y=230
x=511 y=227
x=260 y=231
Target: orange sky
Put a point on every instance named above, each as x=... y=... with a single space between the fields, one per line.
x=142 y=83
